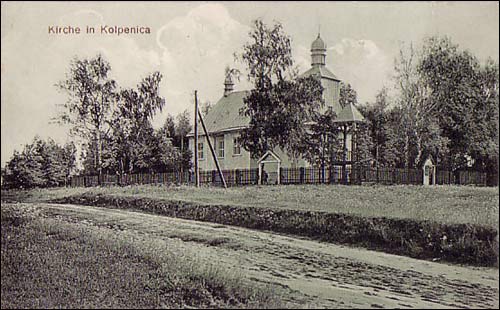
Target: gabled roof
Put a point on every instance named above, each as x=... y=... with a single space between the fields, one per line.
x=321 y=71
x=270 y=154
x=349 y=113
x=225 y=114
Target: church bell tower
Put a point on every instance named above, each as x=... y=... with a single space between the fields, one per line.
x=318 y=52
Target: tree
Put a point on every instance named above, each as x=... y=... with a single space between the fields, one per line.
x=376 y=116
x=347 y=95
x=168 y=128
x=321 y=143
x=364 y=144
x=40 y=164
x=23 y=171
x=269 y=56
x=68 y=160
x=51 y=162
x=410 y=99
x=167 y=157
x=465 y=96
x=133 y=133
x=91 y=96
x=183 y=127
x=277 y=107
x=171 y=153
x=393 y=154
x=205 y=108
x=486 y=114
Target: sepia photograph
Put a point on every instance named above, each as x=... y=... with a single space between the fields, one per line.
x=251 y=154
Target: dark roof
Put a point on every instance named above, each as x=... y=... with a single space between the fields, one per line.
x=321 y=71
x=349 y=113
x=225 y=114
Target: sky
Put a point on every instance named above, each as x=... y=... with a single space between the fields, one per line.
x=191 y=43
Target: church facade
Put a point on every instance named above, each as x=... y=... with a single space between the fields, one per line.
x=224 y=123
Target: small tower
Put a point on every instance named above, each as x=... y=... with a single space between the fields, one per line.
x=228 y=84
x=318 y=52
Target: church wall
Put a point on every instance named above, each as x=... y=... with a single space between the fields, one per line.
x=331 y=92
x=229 y=161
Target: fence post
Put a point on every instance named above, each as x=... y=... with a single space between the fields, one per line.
x=301 y=175
x=238 y=177
x=214 y=177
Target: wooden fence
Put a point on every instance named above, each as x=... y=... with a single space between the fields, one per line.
x=464 y=178
x=302 y=175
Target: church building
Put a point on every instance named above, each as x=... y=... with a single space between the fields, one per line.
x=224 y=122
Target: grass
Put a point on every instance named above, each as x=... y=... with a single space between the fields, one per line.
x=442 y=204
x=458 y=243
x=49 y=263
x=457 y=224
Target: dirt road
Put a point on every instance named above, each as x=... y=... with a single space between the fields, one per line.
x=316 y=274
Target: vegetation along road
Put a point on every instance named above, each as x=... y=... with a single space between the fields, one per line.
x=308 y=273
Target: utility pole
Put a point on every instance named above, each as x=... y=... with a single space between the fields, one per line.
x=196 y=170
x=212 y=150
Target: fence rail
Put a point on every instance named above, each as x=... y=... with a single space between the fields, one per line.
x=302 y=175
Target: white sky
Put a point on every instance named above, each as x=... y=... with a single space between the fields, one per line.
x=191 y=43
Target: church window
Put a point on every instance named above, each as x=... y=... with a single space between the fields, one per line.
x=220 y=146
x=236 y=147
x=200 y=150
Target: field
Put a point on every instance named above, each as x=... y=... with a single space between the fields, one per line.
x=441 y=204
x=50 y=263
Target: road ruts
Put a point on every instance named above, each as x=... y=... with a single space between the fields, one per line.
x=316 y=274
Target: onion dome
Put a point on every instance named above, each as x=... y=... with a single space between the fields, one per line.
x=318 y=44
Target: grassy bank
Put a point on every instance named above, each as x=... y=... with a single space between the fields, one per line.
x=48 y=263
x=458 y=243
x=441 y=204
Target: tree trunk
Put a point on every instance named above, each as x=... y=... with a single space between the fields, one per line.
x=323 y=139
x=418 y=137
x=99 y=158
x=344 y=157
x=376 y=159
x=407 y=150
x=419 y=151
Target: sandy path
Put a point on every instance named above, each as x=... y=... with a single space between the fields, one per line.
x=316 y=274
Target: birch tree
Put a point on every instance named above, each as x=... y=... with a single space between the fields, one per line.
x=281 y=102
x=91 y=95
x=417 y=110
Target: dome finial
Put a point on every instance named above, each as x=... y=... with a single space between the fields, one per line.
x=318 y=50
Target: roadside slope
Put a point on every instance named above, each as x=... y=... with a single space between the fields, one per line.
x=48 y=262
x=320 y=274
x=458 y=243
